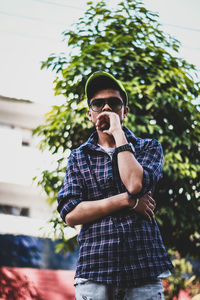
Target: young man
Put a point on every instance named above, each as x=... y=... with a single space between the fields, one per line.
x=107 y=190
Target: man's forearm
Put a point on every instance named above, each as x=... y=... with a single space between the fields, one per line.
x=131 y=172
x=89 y=211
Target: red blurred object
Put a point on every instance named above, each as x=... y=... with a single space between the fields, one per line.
x=183 y=295
x=39 y=284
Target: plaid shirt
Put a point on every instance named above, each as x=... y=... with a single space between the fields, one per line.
x=122 y=248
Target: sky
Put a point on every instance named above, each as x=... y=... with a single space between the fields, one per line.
x=30 y=30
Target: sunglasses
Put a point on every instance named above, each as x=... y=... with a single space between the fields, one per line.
x=115 y=104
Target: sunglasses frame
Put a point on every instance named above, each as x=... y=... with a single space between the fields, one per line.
x=106 y=101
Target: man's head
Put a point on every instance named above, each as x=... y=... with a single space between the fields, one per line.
x=105 y=94
x=101 y=81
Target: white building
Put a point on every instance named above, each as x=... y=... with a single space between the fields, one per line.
x=23 y=207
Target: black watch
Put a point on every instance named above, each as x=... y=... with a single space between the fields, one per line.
x=126 y=147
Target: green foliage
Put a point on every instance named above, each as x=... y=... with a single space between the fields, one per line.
x=129 y=42
x=65 y=241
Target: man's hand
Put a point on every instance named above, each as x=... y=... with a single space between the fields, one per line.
x=108 y=122
x=146 y=206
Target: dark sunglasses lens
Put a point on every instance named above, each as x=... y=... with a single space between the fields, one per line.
x=115 y=104
x=97 y=104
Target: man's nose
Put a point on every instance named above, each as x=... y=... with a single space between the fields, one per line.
x=106 y=106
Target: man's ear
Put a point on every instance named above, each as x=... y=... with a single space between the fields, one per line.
x=89 y=114
x=126 y=111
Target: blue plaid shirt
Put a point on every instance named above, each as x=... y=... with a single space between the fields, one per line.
x=122 y=248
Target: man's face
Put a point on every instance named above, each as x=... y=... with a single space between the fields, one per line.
x=111 y=97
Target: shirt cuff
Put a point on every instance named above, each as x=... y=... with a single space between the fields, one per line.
x=67 y=207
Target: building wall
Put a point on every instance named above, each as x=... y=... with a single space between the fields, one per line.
x=25 y=233
x=20 y=161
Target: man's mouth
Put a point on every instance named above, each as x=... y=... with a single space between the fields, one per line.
x=105 y=126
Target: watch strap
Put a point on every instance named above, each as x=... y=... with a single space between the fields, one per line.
x=126 y=147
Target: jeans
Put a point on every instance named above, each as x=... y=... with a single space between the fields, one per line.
x=89 y=290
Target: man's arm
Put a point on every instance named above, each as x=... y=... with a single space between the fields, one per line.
x=131 y=172
x=138 y=175
x=89 y=211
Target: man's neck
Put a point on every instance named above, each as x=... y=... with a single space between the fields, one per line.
x=105 y=140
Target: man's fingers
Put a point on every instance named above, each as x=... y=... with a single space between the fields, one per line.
x=149 y=213
x=146 y=207
x=152 y=206
x=148 y=216
x=151 y=200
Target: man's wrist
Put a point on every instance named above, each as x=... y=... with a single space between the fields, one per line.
x=117 y=131
x=135 y=205
x=125 y=147
x=119 y=136
x=132 y=202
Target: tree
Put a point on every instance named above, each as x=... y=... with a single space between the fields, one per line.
x=128 y=42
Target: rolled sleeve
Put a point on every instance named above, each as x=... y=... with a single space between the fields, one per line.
x=71 y=193
x=150 y=156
